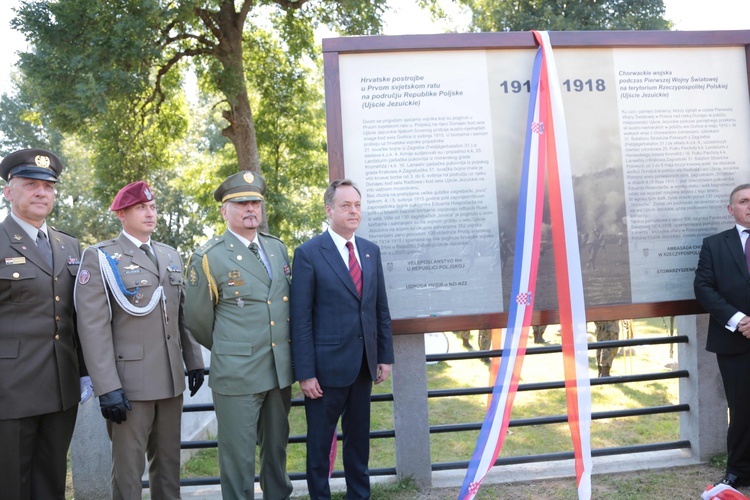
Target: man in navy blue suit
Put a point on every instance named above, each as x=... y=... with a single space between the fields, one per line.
x=721 y=286
x=341 y=339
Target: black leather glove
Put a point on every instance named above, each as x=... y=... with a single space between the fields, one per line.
x=114 y=406
x=195 y=381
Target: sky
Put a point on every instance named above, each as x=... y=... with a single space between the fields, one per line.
x=407 y=18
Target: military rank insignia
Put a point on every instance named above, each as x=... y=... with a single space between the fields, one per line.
x=192 y=276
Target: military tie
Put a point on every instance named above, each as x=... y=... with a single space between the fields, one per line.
x=44 y=247
x=254 y=248
x=354 y=268
x=147 y=250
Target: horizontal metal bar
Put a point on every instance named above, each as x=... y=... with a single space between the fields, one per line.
x=560 y=384
x=551 y=457
x=549 y=349
x=558 y=419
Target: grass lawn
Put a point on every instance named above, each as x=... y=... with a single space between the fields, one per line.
x=520 y=440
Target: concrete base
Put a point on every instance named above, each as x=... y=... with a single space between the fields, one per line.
x=504 y=474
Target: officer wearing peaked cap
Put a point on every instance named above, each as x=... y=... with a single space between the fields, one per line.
x=237 y=305
x=129 y=298
x=40 y=369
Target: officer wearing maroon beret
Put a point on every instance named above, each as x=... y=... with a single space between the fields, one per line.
x=39 y=357
x=130 y=301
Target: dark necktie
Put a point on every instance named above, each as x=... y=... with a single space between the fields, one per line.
x=147 y=250
x=44 y=247
x=254 y=248
x=354 y=268
x=747 y=249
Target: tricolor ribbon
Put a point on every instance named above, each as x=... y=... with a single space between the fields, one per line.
x=546 y=147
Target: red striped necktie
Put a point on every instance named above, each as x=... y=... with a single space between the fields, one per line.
x=354 y=268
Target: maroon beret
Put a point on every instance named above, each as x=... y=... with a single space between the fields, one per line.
x=132 y=194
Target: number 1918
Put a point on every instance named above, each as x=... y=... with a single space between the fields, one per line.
x=589 y=85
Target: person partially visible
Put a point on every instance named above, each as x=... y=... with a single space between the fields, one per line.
x=341 y=339
x=40 y=369
x=722 y=287
x=538 y=331
x=130 y=303
x=238 y=306
x=606 y=330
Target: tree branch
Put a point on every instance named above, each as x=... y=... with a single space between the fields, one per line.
x=157 y=95
x=291 y=4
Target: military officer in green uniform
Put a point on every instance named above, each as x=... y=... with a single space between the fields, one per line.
x=237 y=305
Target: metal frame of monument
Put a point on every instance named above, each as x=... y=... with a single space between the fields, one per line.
x=333 y=47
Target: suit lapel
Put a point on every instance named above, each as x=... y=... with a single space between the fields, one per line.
x=734 y=246
x=244 y=258
x=368 y=267
x=333 y=257
x=275 y=260
x=59 y=252
x=24 y=245
x=137 y=256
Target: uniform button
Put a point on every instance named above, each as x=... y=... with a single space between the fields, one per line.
x=57 y=337
x=16 y=275
x=57 y=318
x=236 y=292
x=119 y=356
x=273 y=344
x=288 y=320
x=169 y=337
x=273 y=323
x=55 y=279
x=269 y=302
x=286 y=299
x=57 y=298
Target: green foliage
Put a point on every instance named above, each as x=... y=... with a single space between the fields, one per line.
x=565 y=15
x=85 y=53
x=290 y=126
x=103 y=87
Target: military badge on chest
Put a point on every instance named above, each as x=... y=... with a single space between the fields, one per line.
x=234 y=278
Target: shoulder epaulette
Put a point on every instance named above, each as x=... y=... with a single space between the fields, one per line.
x=160 y=244
x=104 y=243
x=63 y=232
x=209 y=245
x=270 y=236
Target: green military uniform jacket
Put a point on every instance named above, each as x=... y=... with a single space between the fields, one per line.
x=235 y=309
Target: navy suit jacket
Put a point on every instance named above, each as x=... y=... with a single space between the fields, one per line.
x=722 y=286
x=330 y=323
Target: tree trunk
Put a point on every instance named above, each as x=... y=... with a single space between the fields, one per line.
x=241 y=128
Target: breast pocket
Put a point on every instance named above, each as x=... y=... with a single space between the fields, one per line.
x=17 y=284
x=175 y=278
x=234 y=292
x=136 y=280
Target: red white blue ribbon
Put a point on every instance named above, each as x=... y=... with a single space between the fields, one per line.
x=546 y=147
